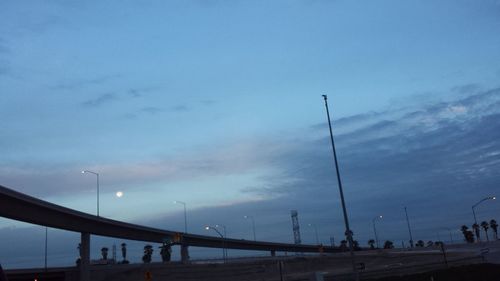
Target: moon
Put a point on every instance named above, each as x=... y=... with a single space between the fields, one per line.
x=119 y=194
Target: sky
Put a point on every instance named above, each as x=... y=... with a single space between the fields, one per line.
x=218 y=104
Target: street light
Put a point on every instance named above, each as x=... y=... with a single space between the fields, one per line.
x=214 y=228
x=375 y=229
x=97 y=175
x=315 y=231
x=475 y=205
x=185 y=214
x=348 y=231
x=253 y=226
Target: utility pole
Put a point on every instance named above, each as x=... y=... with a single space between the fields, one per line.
x=348 y=231
x=409 y=228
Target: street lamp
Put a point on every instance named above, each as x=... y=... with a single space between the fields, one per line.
x=475 y=205
x=97 y=175
x=214 y=228
x=315 y=231
x=375 y=229
x=348 y=231
x=185 y=214
x=253 y=226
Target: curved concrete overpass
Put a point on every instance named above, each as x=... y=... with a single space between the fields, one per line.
x=18 y=206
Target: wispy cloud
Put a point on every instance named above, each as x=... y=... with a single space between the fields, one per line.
x=100 y=100
x=73 y=84
x=179 y=108
x=152 y=110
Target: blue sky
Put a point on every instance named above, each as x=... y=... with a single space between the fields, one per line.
x=218 y=104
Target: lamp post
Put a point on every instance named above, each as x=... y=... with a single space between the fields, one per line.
x=375 y=228
x=46 y=240
x=348 y=231
x=214 y=228
x=315 y=232
x=451 y=235
x=253 y=226
x=475 y=205
x=185 y=214
x=97 y=175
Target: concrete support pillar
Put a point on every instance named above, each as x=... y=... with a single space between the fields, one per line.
x=273 y=253
x=85 y=257
x=184 y=253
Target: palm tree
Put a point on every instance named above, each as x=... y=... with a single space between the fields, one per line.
x=464 y=229
x=104 y=253
x=343 y=245
x=371 y=243
x=388 y=245
x=148 y=252
x=475 y=226
x=494 y=226
x=485 y=225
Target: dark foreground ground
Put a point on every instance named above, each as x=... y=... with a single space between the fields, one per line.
x=473 y=272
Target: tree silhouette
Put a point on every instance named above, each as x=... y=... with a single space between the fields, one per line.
x=494 y=227
x=476 y=228
x=148 y=253
x=388 y=245
x=343 y=245
x=104 y=253
x=355 y=245
x=166 y=252
x=371 y=243
x=124 y=253
x=420 y=243
x=468 y=236
x=485 y=225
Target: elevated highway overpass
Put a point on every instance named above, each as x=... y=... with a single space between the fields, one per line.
x=18 y=206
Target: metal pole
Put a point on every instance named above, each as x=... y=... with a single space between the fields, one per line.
x=482 y=200
x=97 y=194
x=97 y=175
x=253 y=228
x=409 y=228
x=316 y=232
x=185 y=219
x=225 y=249
x=474 y=213
x=375 y=232
x=346 y=219
x=46 y=240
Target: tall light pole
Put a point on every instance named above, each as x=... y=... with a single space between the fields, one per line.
x=409 y=228
x=185 y=215
x=348 y=231
x=475 y=205
x=451 y=235
x=46 y=240
x=253 y=226
x=97 y=175
x=315 y=232
x=375 y=229
x=214 y=228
